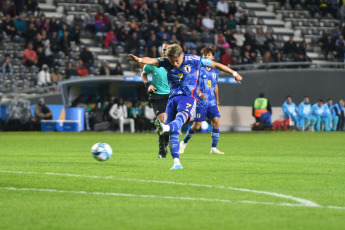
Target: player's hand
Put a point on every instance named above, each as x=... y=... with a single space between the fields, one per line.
x=218 y=103
x=238 y=78
x=202 y=96
x=151 y=89
x=132 y=57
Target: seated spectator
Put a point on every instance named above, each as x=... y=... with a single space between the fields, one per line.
x=229 y=37
x=135 y=113
x=150 y=116
x=62 y=31
x=89 y=22
x=8 y=26
x=153 y=52
x=290 y=110
x=30 y=33
x=153 y=41
x=56 y=76
x=63 y=22
x=42 y=23
x=65 y=43
x=119 y=114
x=42 y=112
x=75 y=34
x=340 y=112
x=290 y=48
x=219 y=40
x=118 y=69
x=133 y=44
x=222 y=8
x=81 y=69
x=340 y=47
x=162 y=31
x=37 y=41
x=247 y=59
x=105 y=70
x=312 y=6
x=322 y=117
x=32 y=6
x=260 y=40
x=207 y=38
x=100 y=28
x=328 y=47
x=207 y=22
x=44 y=78
x=87 y=57
x=53 y=26
x=70 y=71
x=241 y=16
x=41 y=57
x=231 y=24
x=7 y=66
x=29 y=56
x=306 y=119
x=103 y=18
x=232 y=8
x=227 y=58
x=111 y=40
x=20 y=25
x=240 y=39
x=332 y=113
x=267 y=58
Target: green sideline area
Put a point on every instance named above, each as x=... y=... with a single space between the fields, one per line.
x=273 y=180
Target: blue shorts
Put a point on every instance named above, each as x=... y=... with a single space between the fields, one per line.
x=203 y=112
x=178 y=104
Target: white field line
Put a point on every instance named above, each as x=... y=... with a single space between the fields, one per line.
x=299 y=200
x=164 y=197
x=302 y=202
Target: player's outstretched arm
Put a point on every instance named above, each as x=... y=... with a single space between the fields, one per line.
x=224 y=68
x=144 y=60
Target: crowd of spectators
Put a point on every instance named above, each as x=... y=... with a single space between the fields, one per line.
x=140 y=27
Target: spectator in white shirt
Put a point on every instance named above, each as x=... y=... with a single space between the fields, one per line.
x=120 y=115
x=222 y=8
x=44 y=78
x=208 y=22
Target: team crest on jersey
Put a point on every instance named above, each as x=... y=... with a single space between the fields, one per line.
x=214 y=75
x=187 y=68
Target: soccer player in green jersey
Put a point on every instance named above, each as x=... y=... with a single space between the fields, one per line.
x=159 y=91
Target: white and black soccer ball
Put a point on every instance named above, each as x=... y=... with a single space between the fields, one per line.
x=101 y=151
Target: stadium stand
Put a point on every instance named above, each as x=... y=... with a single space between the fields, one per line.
x=167 y=20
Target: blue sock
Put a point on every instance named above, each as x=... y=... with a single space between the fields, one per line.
x=176 y=124
x=215 y=137
x=189 y=135
x=174 y=144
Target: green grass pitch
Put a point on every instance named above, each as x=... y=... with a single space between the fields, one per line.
x=269 y=180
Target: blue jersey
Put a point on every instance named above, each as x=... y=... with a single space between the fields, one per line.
x=183 y=80
x=290 y=109
x=206 y=84
x=304 y=109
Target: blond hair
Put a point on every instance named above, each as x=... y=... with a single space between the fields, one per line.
x=174 y=51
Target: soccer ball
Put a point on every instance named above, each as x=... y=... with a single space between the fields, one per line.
x=101 y=151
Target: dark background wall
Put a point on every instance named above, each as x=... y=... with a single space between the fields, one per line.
x=276 y=85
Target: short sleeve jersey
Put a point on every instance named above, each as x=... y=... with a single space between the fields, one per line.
x=159 y=78
x=207 y=83
x=183 y=80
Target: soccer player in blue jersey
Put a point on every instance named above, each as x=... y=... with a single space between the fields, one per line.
x=208 y=105
x=182 y=72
